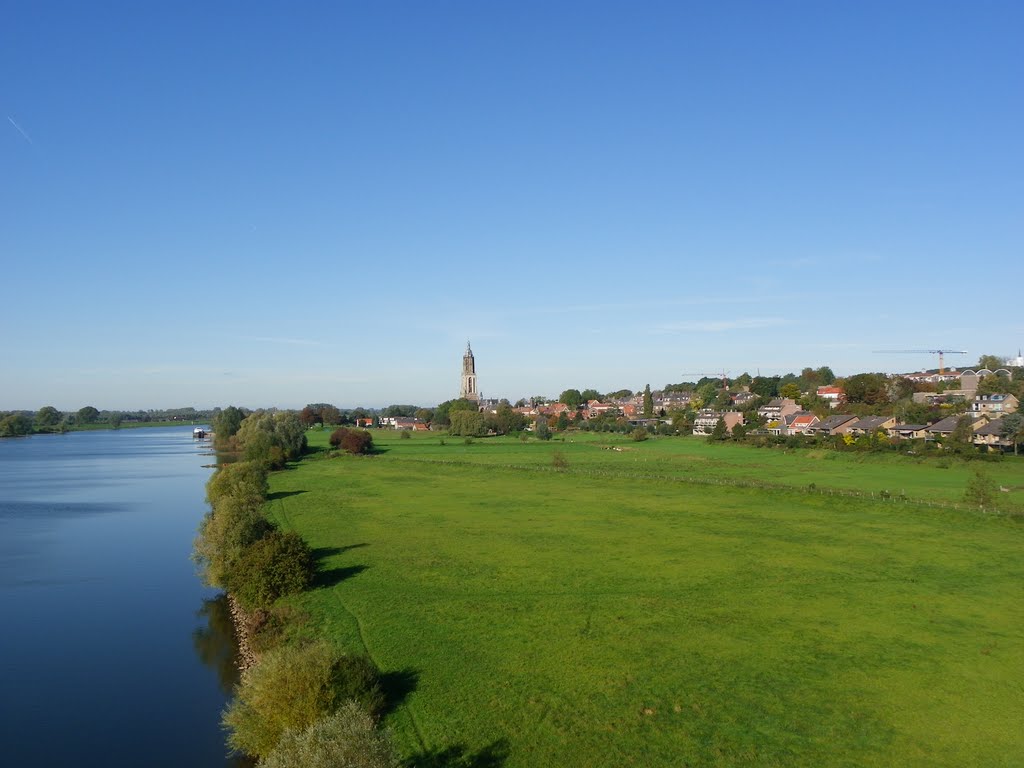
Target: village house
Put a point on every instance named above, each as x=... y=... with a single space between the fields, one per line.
x=778 y=409
x=834 y=396
x=991 y=435
x=908 y=431
x=942 y=429
x=707 y=420
x=798 y=423
x=833 y=425
x=871 y=424
x=739 y=399
x=595 y=408
x=996 y=405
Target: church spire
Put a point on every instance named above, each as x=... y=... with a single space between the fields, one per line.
x=468 y=390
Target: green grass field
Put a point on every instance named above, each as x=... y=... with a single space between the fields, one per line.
x=620 y=612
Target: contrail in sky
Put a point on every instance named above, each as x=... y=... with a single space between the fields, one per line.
x=21 y=131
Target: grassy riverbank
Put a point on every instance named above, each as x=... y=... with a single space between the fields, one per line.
x=620 y=611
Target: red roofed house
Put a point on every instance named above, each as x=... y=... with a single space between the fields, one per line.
x=833 y=395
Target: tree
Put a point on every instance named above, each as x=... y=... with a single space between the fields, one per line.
x=648 y=402
x=867 y=388
x=226 y=425
x=275 y=565
x=765 y=386
x=541 y=428
x=1012 y=429
x=990 y=361
x=87 y=415
x=571 y=397
x=273 y=438
x=963 y=432
x=589 y=394
x=980 y=489
x=291 y=689
x=719 y=433
x=424 y=415
x=354 y=441
x=330 y=414
x=308 y=416
x=15 y=424
x=466 y=423
x=349 y=738
x=618 y=394
x=47 y=417
x=114 y=419
x=792 y=391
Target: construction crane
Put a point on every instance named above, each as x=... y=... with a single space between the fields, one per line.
x=723 y=374
x=939 y=352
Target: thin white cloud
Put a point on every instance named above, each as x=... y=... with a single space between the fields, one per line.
x=21 y=130
x=719 y=326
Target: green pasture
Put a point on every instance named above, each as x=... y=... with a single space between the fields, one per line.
x=619 y=612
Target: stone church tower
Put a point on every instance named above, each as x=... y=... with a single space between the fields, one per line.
x=469 y=390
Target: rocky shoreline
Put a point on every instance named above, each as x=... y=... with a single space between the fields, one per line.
x=240 y=620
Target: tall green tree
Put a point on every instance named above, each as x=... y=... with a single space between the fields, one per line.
x=990 y=361
x=571 y=397
x=47 y=417
x=1012 y=429
x=87 y=415
x=792 y=391
x=466 y=423
x=15 y=424
x=648 y=402
x=590 y=394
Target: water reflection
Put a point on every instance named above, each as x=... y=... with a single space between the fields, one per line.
x=216 y=646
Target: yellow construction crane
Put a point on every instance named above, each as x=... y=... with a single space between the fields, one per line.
x=939 y=352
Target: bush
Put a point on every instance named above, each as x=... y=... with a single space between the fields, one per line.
x=980 y=489
x=639 y=434
x=278 y=564
x=558 y=460
x=349 y=738
x=245 y=482
x=405 y=434
x=354 y=441
x=225 y=534
x=291 y=689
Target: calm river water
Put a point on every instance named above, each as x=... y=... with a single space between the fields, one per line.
x=112 y=653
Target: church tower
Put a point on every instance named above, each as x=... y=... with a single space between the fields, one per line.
x=468 y=389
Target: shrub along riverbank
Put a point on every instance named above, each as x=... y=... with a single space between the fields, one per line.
x=300 y=702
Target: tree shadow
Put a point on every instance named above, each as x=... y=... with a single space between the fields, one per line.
x=396 y=687
x=322 y=553
x=493 y=755
x=282 y=495
x=334 y=576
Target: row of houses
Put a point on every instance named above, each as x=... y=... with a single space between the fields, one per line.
x=784 y=418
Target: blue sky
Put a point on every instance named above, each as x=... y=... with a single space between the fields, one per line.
x=214 y=203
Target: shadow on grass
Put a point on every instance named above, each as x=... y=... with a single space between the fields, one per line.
x=282 y=495
x=335 y=576
x=493 y=755
x=329 y=577
x=396 y=687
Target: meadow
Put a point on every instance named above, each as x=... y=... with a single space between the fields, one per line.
x=641 y=605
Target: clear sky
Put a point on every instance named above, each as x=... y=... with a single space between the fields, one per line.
x=274 y=204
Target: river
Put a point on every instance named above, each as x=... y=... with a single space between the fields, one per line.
x=112 y=653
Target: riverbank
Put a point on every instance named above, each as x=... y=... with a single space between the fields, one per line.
x=243 y=635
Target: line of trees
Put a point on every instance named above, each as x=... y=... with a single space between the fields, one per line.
x=302 y=703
